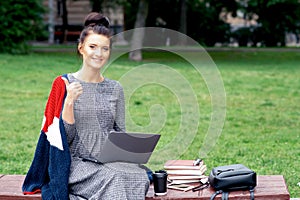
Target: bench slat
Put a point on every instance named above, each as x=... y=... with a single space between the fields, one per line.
x=268 y=187
x=11 y=188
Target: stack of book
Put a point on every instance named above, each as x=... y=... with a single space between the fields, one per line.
x=182 y=173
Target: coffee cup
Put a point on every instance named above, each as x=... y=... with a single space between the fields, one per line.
x=160 y=182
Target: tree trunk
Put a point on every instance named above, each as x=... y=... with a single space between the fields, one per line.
x=64 y=20
x=182 y=39
x=96 y=5
x=139 y=32
x=51 y=21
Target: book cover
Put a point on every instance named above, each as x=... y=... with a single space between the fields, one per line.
x=176 y=182
x=191 y=172
x=181 y=187
x=186 y=177
x=182 y=164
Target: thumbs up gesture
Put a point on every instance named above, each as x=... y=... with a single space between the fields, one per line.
x=74 y=90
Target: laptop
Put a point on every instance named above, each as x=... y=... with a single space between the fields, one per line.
x=128 y=147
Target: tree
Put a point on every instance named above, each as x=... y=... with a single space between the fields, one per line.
x=208 y=27
x=62 y=6
x=64 y=19
x=138 y=32
x=96 y=5
x=20 y=23
x=197 y=19
x=206 y=19
x=275 y=18
x=167 y=14
x=51 y=17
x=183 y=22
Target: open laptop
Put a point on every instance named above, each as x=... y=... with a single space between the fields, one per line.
x=128 y=147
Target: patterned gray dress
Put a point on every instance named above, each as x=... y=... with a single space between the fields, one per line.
x=98 y=111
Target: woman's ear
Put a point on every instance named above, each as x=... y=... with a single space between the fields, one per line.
x=80 y=47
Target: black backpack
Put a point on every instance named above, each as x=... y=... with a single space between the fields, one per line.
x=232 y=177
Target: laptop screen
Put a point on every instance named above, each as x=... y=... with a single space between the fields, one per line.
x=128 y=147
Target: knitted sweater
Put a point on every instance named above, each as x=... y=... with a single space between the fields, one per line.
x=49 y=171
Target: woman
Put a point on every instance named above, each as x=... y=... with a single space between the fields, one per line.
x=92 y=107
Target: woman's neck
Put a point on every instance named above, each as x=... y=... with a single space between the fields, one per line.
x=89 y=76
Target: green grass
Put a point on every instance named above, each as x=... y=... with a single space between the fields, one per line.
x=261 y=128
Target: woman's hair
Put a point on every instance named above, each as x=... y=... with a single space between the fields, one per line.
x=96 y=23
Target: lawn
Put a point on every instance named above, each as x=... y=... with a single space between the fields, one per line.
x=166 y=94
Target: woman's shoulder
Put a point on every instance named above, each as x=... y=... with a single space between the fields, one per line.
x=113 y=83
x=58 y=79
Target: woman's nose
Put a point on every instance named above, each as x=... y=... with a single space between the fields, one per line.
x=99 y=51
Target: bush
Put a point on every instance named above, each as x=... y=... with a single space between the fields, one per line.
x=21 y=21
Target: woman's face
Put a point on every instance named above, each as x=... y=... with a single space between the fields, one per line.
x=95 y=50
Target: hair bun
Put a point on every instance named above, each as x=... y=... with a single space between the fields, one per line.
x=95 y=18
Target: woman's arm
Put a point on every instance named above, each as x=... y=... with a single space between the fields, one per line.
x=119 y=124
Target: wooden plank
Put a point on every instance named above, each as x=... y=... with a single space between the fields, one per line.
x=268 y=187
x=11 y=188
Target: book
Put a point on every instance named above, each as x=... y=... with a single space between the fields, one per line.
x=186 y=177
x=183 y=174
x=182 y=164
x=184 y=185
x=191 y=172
x=185 y=181
x=181 y=187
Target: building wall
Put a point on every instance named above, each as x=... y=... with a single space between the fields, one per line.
x=77 y=10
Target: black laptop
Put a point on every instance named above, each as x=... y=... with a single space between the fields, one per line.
x=128 y=147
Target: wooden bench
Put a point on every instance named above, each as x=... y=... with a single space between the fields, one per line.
x=268 y=187
x=72 y=33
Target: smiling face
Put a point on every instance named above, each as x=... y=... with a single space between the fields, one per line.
x=95 y=50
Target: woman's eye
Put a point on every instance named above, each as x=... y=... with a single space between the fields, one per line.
x=105 y=48
x=92 y=46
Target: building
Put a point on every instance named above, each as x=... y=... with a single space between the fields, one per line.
x=77 y=10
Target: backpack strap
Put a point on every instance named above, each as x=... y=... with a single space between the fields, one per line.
x=215 y=194
x=251 y=193
x=225 y=195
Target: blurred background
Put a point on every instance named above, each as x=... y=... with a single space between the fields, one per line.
x=255 y=23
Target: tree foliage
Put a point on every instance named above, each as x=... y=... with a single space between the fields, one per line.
x=275 y=18
x=203 y=21
x=207 y=27
x=20 y=22
x=96 y=5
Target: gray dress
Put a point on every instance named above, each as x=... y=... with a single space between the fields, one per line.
x=98 y=111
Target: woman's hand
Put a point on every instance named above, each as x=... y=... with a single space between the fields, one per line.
x=74 y=90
